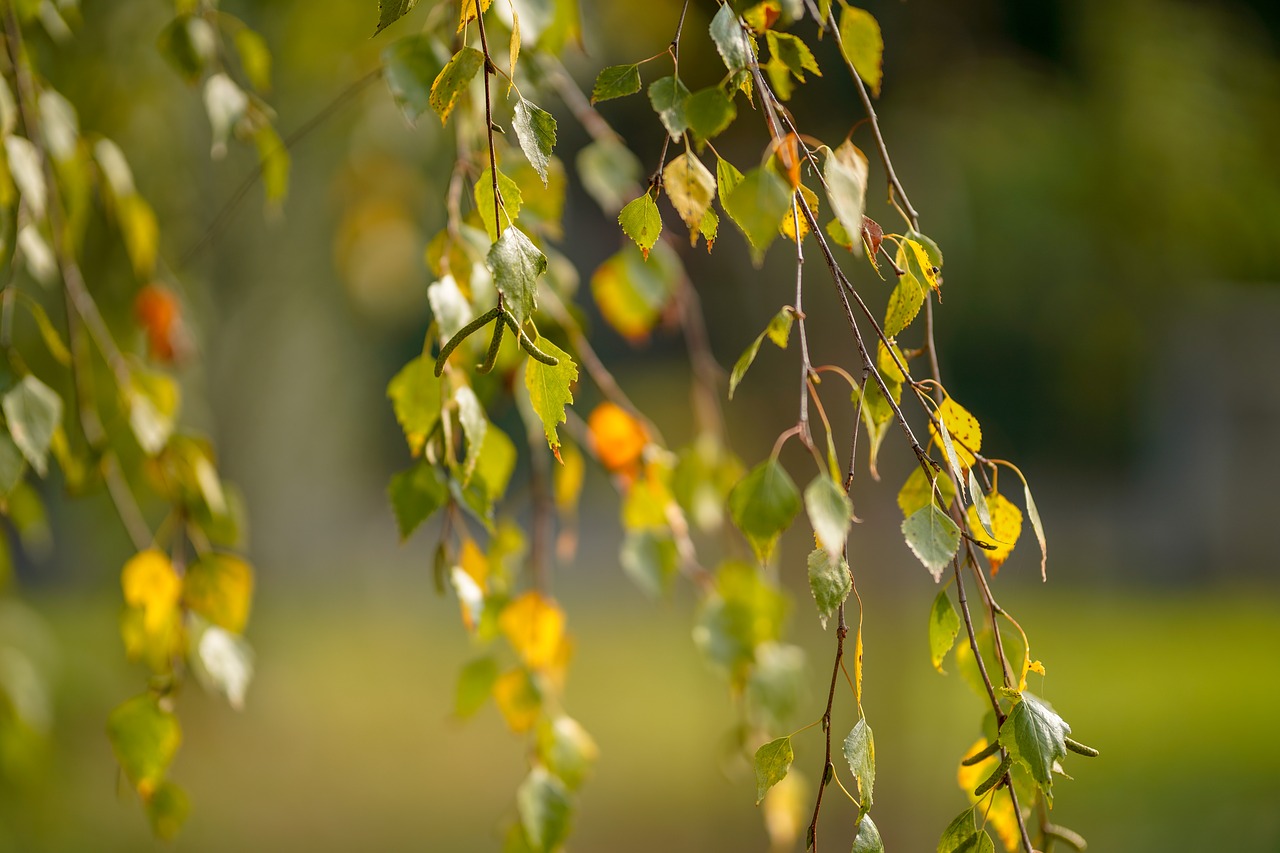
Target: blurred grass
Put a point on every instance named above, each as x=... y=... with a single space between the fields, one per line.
x=346 y=742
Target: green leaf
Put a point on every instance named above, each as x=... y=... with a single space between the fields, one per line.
x=415 y=397
x=710 y=111
x=772 y=763
x=729 y=38
x=980 y=504
x=829 y=512
x=475 y=686
x=860 y=752
x=650 y=559
x=793 y=53
x=167 y=809
x=567 y=750
x=641 y=221
x=949 y=450
x=543 y=804
x=474 y=426
x=411 y=65
x=508 y=194
x=12 y=465
x=778 y=331
x=1034 y=515
x=255 y=58
x=904 y=304
x=144 y=738
x=416 y=494
x=608 y=171
x=616 y=81
x=744 y=612
x=536 y=130
x=183 y=44
x=690 y=186
x=756 y=205
x=917 y=492
x=390 y=11
x=32 y=411
x=453 y=78
x=845 y=177
x=273 y=161
x=516 y=264
x=727 y=178
x=1035 y=736
x=868 y=838
x=933 y=537
x=944 y=625
x=153 y=400
x=763 y=504
x=862 y=45
x=668 y=97
x=777 y=682
x=830 y=583
x=963 y=836
x=550 y=390
x=496 y=463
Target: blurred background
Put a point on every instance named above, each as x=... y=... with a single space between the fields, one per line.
x=1103 y=179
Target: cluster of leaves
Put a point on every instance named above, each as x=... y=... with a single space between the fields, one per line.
x=102 y=403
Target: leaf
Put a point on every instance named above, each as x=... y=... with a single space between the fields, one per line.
x=963 y=428
x=668 y=96
x=998 y=812
x=608 y=171
x=32 y=411
x=1002 y=530
x=730 y=40
x=544 y=806
x=710 y=111
x=793 y=53
x=616 y=81
x=778 y=331
x=1034 y=735
x=474 y=426
x=904 y=304
x=516 y=264
x=220 y=588
x=763 y=504
x=273 y=161
x=151 y=584
x=518 y=699
x=536 y=130
x=963 y=836
x=510 y=201
x=226 y=104
x=496 y=462
x=860 y=752
x=48 y=332
x=475 y=685
x=933 y=537
x=390 y=11
x=255 y=58
x=12 y=466
x=513 y=50
x=641 y=221
x=918 y=491
x=772 y=763
x=144 y=738
x=829 y=582
x=743 y=612
x=167 y=810
x=412 y=65
x=690 y=186
x=223 y=662
x=567 y=750
x=863 y=45
x=534 y=625
x=469 y=12
x=185 y=44
x=868 y=838
x=794 y=217
x=617 y=438
x=1034 y=515
x=632 y=292
x=944 y=625
x=153 y=400
x=141 y=232
x=830 y=513
x=776 y=685
x=415 y=397
x=452 y=79
x=845 y=174
x=415 y=495
x=650 y=559
x=550 y=389
x=727 y=178
x=980 y=513
x=756 y=205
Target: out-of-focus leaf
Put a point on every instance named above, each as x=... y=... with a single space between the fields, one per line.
x=412 y=64
x=32 y=411
x=220 y=588
x=153 y=400
x=534 y=625
x=756 y=205
x=224 y=663
x=415 y=397
x=632 y=291
x=609 y=172
x=778 y=331
x=763 y=505
x=415 y=495
x=772 y=763
x=167 y=810
x=518 y=699
x=567 y=750
x=863 y=45
x=544 y=806
x=650 y=559
x=144 y=738
x=475 y=686
x=151 y=585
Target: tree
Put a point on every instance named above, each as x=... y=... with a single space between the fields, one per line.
x=109 y=418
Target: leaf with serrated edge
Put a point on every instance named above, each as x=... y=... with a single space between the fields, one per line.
x=730 y=42
x=616 y=81
x=860 y=752
x=868 y=839
x=829 y=512
x=944 y=626
x=641 y=221
x=453 y=78
x=667 y=96
x=904 y=304
x=550 y=389
x=845 y=176
x=829 y=582
x=690 y=186
x=516 y=264
x=536 y=130
x=933 y=537
x=772 y=763
x=1034 y=735
x=390 y=11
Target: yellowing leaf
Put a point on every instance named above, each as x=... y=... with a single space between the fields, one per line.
x=641 y=221
x=617 y=437
x=788 y=224
x=966 y=433
x=469 y=12
x=151 y=584
x=474 y=562
x=453 y=79
x=550 y=389
x=690 y=186
x=220 y=588
x=1006 y=527
x=863 y=45
x=518 y=698
x=534 y=625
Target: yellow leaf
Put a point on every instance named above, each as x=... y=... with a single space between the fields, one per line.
x=518 y=699
x=788 y=225
x=469 y=12
x=857 y=668
x=785 y=811
x=220 y=588
x=1001 y=816
x=966 y=432
x=475 y=563
x=567 y=479
x=1006 y=524
x=151 y=584
x=534 y=625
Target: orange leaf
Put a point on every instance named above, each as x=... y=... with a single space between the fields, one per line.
x=617 y=437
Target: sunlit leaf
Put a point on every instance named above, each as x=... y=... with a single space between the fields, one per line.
x=1034 y=735
x=944 y=625
x=667 y=96
x=616 y=81
x=997 y=809
x=470 y=13
x=830 y=583
x=567 y=750
x=550 y=389
x=617 y=438
x=641 y=221
x=475 y=686
x=544 y=806
x=868 y=838
x=415 y=397
x=633 y=292
x=518 y=699
x=510 y=200
x=516 y=264
x=860 y=752
x=756 y=205
x=962 y=835
x=743 y=612
x=904 y=304
x=167 y=810
x=1034 y=515
x=772 y=763
x=964 y=429
x=763 y=504
x=145 y=739
x=845 y=175
x=793 y=53
x=863 y=45
x=933 y=537
x=224 y=663
x=690 y=186
x=32 y=411
x=830 y=513
x=495 y=464
x=609 y=171
x=390 y=11
x=730 y=40
x=153 y=408
x=918 y=491
x=536 y=130
x=255 y=58
x=453 y=79
x=474 y=426
x=1003 y=529
x=534 y=625
x=220 y=588
x=152 y=585
x=710 y=111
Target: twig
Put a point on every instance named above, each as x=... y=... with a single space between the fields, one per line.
x=842 y=630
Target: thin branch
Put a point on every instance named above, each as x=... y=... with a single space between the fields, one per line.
x=489 y=69
x=842 y=630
